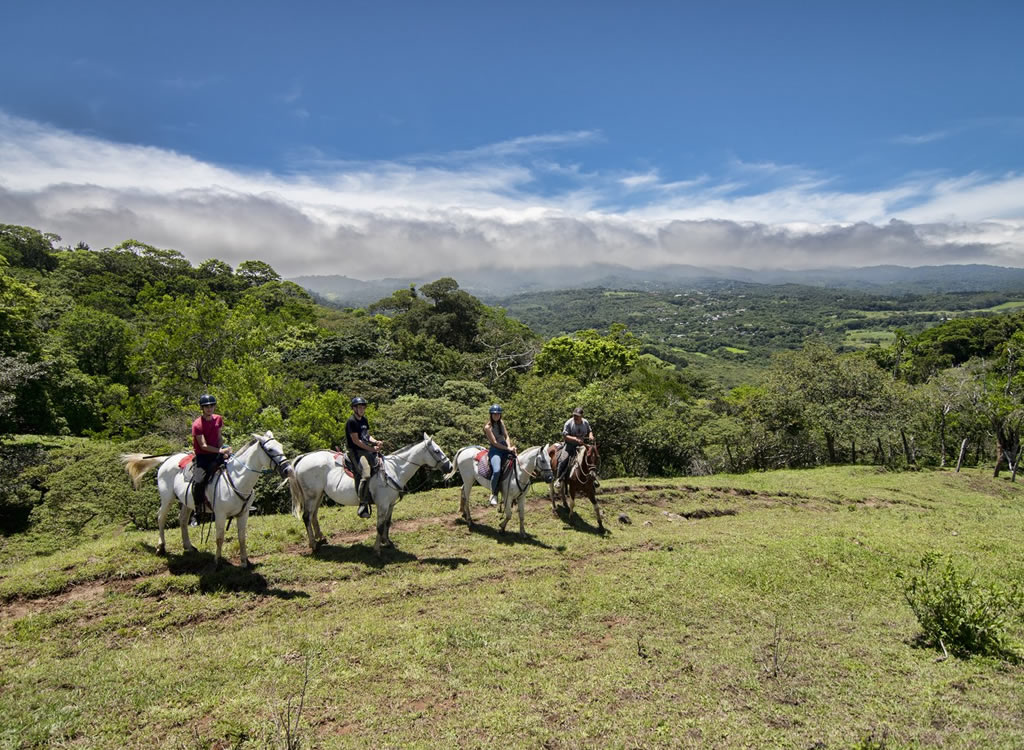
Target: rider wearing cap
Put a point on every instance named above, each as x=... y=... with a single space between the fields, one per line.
x=209 y=447
x=363 y=449
x=500 y=447
x=575 y=433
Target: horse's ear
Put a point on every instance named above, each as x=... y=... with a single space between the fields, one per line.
x=269 y=435
x=256 y=437
x=426 y=437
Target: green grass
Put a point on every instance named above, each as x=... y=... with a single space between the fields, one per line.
x=1005 y=307
x=865 y=338
x=661 y=634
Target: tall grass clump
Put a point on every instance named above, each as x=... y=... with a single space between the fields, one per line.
x=957 y=613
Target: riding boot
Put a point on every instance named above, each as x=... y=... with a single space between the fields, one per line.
x=562 y=467
x=364 y=504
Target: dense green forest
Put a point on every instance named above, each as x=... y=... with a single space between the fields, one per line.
x=107 y=350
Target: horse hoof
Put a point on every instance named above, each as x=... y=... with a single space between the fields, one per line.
x=249 y=565
x=188 y=550
x=161 y=550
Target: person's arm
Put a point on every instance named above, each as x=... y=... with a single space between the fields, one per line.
x=205 y=447
x=489 y=432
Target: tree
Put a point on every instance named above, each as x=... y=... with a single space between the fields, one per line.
x=26 y=247
x=101 y=343
x=587 y=356
x=18 y=304
x=256 y=273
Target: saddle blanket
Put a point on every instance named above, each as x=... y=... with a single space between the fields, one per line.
x=183 y=463
x=483 y=465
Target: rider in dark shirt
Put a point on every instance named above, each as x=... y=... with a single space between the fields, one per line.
x=363 y=449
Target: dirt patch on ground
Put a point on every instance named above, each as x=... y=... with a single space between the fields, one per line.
x=85 y=592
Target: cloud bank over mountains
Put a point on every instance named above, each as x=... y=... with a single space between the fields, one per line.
x=521 y=204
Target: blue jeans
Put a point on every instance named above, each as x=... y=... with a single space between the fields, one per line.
x=496 y=456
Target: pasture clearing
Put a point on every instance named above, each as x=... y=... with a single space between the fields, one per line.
x=731 y=611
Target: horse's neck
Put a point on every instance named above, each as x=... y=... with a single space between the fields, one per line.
x=529 y=459
x=243 y=473
x=404 y=465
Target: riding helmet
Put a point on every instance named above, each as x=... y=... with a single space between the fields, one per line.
x=207 y=400
x=357 y=401
x=496 y=409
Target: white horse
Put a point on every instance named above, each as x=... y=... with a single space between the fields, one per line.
x=318 y=473
x=230 y=490
x=531 y=463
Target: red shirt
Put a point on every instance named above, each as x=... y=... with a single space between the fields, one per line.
x=208 y=428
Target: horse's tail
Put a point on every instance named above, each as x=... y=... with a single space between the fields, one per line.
x=454 y=471
x=298 y=496
x=137 y=464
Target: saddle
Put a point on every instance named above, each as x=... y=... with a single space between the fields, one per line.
x=344 y=460
x=184 y=462
x=483 y=465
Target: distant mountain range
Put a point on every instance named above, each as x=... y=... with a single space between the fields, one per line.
x=494 y=285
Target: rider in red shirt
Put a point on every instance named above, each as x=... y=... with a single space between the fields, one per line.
x=209 y=447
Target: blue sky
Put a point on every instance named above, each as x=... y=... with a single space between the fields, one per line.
x=386 y=138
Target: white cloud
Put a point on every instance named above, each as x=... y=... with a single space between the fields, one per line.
x=488 y=206
x=917 y=140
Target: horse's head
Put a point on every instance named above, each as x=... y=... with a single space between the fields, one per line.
x=440 y=460
x=273 y=450
x=591 y=458
x=544 y=464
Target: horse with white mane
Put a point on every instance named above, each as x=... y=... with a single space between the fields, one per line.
x=230 y=489
x=530 y=463
x=318 y=473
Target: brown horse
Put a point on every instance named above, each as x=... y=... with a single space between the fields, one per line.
x=582 y=479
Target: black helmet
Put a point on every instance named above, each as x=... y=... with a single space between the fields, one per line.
x=357 y=401
x=207 y=400
x=495 y=408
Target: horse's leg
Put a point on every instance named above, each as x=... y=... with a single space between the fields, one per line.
x=307 y=521
x=387 y=524
x=597 y=510
x=506 y=514
x=183 y=516
x=522 y=514
x=570 y=501
x=383 y=523
x=464 y=503
x=318 y=535
x=221 y=525
x=161 y=521
x=242 y=522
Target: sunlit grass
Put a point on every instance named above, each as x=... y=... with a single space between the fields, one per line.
x=664 y=633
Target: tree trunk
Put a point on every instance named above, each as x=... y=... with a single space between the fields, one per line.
x=960 y=460
x=853 y=452
x=830 y=446
x=942 y=440
x=907 y=453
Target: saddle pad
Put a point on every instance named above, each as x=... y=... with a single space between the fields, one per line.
x=186 y=461
x=483 y=465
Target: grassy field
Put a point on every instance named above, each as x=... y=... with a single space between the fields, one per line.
x=731 y=611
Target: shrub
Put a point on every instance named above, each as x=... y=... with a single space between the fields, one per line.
x=957 y=613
